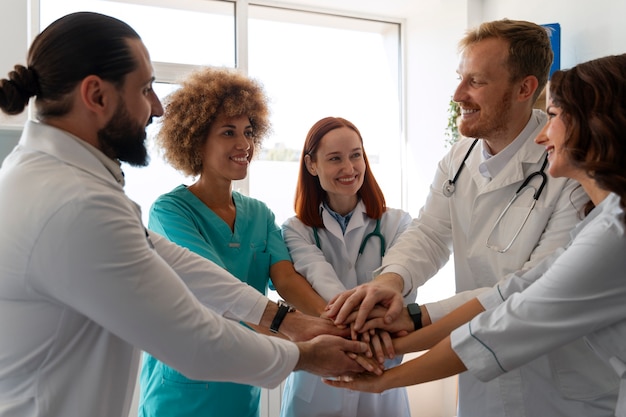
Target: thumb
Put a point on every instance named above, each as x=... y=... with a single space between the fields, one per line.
x=355 y=346
x=394 y=310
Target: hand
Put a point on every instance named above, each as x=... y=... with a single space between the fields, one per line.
x=386 y=290
x=401 y=326
x=363 y=382
x=301 y=327
x=332 y=356
x=380 y=345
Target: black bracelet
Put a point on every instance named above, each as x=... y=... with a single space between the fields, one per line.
x=283 y=309
x=415 y=312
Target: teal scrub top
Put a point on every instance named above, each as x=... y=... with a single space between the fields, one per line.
x=247 y=253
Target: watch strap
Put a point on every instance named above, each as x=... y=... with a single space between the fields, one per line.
x=283 y=309
x=415 y=312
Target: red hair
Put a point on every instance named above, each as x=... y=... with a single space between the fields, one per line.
x=309 y=192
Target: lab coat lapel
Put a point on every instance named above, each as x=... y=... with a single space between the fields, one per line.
x=527 y=159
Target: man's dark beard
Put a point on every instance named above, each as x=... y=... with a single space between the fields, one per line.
x=123 y=139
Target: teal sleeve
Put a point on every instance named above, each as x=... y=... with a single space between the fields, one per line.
x=276 y=245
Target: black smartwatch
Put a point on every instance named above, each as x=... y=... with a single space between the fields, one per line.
x=283 y=309
x=415 y=312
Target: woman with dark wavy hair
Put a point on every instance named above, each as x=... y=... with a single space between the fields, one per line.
x=581 y=290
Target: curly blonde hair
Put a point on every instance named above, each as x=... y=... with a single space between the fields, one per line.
x=190 y=110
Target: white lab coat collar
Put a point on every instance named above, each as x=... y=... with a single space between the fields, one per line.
x=494 y=164
x=526 y=160
x=64 y=146
x=611 y=201
x=357 y=220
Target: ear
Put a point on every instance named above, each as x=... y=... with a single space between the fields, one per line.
x=310 y=165
x=527 y=88
x=97 y=96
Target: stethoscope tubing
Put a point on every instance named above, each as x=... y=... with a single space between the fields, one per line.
x=375 y=233
x=449 y=187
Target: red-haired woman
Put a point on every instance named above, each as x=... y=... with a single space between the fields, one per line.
x=337 y=238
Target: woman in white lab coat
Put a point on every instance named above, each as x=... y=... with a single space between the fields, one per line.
x=580 y=291
x=337 y=238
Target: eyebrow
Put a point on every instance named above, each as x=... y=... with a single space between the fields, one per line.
x=231 y=126
x=360 y=148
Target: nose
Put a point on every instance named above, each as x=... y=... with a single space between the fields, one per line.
x=460 y=93
x=157 y=107
x=542 y=137
x=243 y=142
x=347 y=165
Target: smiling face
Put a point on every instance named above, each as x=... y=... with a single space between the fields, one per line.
x=228 y=149
x=485 y=92
x=553 y=137
x=340 y=167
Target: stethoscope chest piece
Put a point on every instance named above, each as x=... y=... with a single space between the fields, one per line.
x=450 y=185
x=448 y=188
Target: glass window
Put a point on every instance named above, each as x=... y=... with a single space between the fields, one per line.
x=315 y=65
x=181 y=32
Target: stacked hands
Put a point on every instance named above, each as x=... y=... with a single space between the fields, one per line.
x=374 y=314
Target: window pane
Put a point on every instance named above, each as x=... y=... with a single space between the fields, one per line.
x=182 y=32
x=315 y=65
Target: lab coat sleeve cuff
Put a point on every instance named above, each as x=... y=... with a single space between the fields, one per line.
x=403 y=272
x=439 y=309
x=490 y=299
x=479 y=360
x=435 y=310
x=290 y=356
x=245 y=310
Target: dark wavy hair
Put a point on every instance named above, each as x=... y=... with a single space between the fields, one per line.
x=309 y=192
x=592 y=97
x=70 y=49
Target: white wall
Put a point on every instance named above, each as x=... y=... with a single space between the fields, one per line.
x=13 y=33
x=589 y=30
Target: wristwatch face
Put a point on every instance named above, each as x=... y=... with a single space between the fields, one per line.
x=414 y=309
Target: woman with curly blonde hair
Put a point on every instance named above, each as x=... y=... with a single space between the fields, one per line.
x=211 y=129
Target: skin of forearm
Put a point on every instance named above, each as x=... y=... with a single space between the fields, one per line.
x=439 y=362
x=429 y=336
x=299 y=293
x=288 y=327
x=296 y=290
x=266 y=331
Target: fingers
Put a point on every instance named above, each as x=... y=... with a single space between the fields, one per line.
x=367 y=304
x=363 y=382
x=369 y=364
x=396 y=306
x=376 y=346
x=337 y=302
x=351 y=303
x=385 y=337
x=377 y=323
x=354 y=346
x=365 y=338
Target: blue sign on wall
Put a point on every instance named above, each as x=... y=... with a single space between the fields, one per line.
x=554 y=31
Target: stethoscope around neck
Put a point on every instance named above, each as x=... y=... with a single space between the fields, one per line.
x=375 y=233
x=449 y=188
